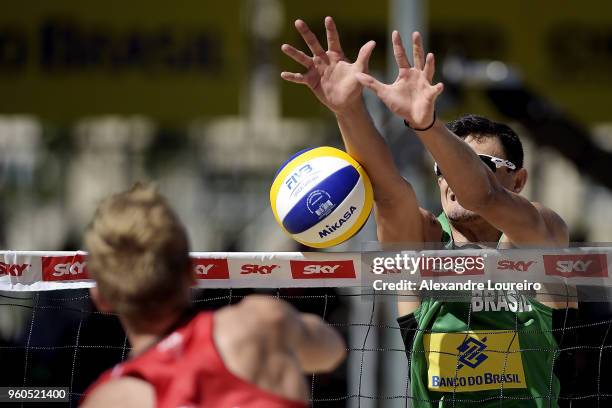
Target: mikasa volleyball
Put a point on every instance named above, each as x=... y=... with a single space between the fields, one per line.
x=321 y=197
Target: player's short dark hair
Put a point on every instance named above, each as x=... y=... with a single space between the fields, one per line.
x=481 y=127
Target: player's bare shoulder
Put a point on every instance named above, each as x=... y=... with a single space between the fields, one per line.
x=249 y=322
x=122 y=392
x=555 y=224
x=558 y=231
x=255 y=315
x=245 y=332
x=253 y=340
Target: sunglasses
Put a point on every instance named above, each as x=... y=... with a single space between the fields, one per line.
x=492 y=162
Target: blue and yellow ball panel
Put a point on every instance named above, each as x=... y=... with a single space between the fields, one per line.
x=321 y=197
x=321 y=200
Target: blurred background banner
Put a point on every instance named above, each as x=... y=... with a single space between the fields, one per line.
x=66 y=59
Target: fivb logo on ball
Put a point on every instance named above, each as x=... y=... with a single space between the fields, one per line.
x=321 y=197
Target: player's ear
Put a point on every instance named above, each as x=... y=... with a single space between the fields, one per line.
x=520 y=179
x=101 y=303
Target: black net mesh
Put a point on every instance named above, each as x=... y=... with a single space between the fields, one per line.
x=57 y=338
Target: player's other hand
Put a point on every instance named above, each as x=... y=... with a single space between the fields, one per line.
x=412 y=96
x=329 y=74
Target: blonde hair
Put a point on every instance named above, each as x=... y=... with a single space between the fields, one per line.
x=139 y=254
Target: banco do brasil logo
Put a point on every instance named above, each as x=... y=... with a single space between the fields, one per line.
x=471 y=352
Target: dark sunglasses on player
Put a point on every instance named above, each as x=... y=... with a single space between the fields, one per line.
x=492 y=162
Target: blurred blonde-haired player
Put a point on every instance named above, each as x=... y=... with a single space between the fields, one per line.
x=252 y=354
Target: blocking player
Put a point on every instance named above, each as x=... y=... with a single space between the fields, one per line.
x=480 y=176
x=252 y=354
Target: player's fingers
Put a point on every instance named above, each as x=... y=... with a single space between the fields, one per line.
x=438 y=88
x=369 y=82
x=311 y=40
x=293 y=77
x=319 y=63
x=333 y=38
x=398 y=50
x=418 y=54
x=363 y=58
x=430 y=67
x=297 y=55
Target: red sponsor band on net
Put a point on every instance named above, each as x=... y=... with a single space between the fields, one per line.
x=62 y=268
x=512 y=265
x=323 y=269
x=582 y=265
x=13 y=269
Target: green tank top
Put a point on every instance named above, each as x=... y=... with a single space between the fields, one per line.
x=492 y=347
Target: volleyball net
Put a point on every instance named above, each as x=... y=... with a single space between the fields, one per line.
x=51 y=335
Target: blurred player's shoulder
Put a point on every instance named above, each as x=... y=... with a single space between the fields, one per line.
x=257 y=341
x=122 y=392
x=256 y=317
x=264 y=309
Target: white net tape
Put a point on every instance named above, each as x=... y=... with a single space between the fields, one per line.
x=36 y=270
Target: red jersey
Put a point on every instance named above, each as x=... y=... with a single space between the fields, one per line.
x=186 y=370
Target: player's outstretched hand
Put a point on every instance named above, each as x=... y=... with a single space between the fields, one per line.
x=329 y=74
x=411 y=96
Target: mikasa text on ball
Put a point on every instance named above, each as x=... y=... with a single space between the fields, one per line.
x=321 y=197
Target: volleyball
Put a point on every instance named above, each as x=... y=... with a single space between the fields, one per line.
x=321 y=197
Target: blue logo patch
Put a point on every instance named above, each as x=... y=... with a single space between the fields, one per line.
x=471 y=352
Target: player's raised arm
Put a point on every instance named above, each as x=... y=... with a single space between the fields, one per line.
x=412 y=96
x=332 y=79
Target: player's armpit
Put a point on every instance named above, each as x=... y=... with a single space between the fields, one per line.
x=123 y=392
